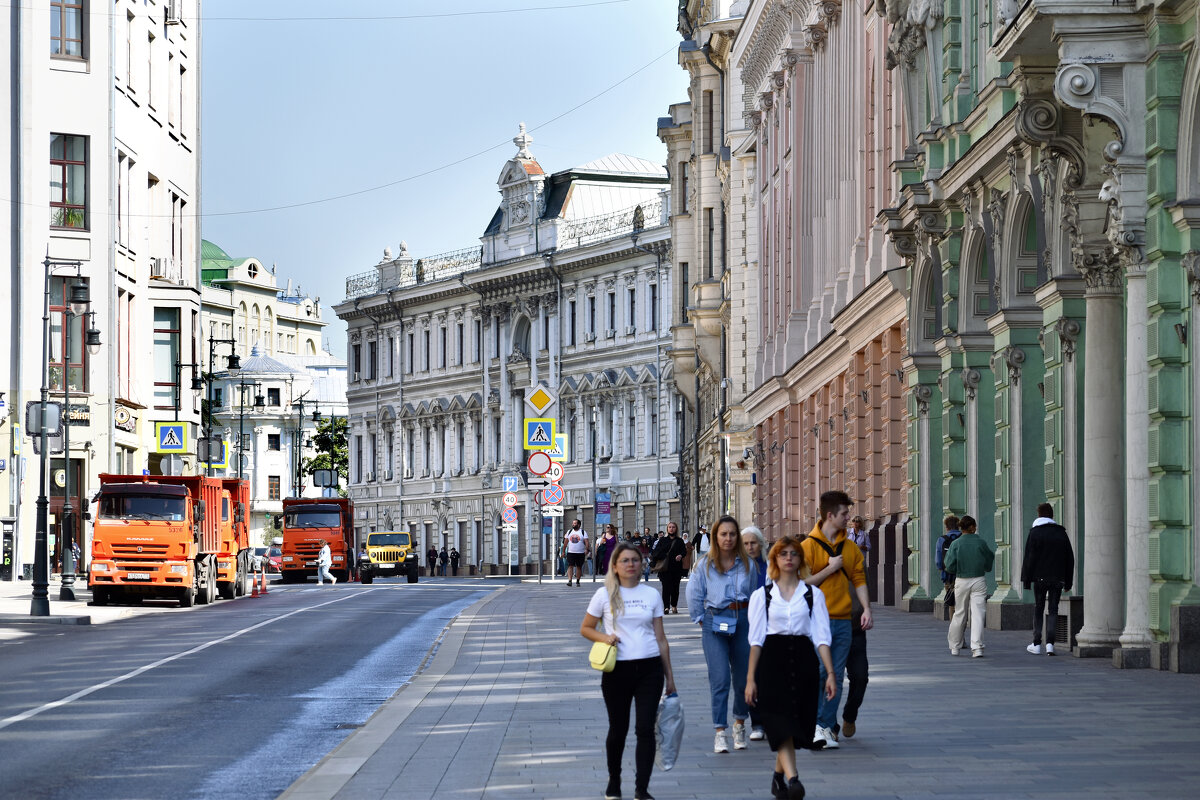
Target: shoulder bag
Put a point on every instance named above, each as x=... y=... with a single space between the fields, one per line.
x=603 y=656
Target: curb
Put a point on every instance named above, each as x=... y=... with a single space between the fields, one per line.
x=8 y=619
x=334 y=771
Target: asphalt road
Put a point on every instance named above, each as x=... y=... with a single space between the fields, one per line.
x=235 y=699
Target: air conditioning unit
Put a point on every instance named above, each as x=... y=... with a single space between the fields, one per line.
x=610 y=334
x=173 y=12
x=605 y=451
x=387 y=476
x=158 y=268
x=370 y=477
x=630 y=330
x=589 y=337
x=408 y=473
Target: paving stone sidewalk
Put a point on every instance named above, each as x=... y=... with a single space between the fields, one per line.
x=508 y=708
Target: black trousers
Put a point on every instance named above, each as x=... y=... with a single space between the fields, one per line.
x=1045 y=601
x=639 y=682
x=670 y=588
x=856 y=671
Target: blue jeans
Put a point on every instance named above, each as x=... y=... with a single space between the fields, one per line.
x=727 y=657
x=841 y=635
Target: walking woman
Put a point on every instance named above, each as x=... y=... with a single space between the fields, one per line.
x=718 y=594
x=756 y=548
x=632 y=612
x=789 y=627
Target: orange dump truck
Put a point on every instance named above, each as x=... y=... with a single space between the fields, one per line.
x=233 y=560
x=156 y=536
x=307 y=521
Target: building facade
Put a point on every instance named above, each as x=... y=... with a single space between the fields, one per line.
x=1047 y=215
x=106 y=97
x=278 y=333
x=565 y=292
x=715 y=337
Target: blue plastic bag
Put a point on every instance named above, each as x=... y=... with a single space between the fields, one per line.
x=668 y=733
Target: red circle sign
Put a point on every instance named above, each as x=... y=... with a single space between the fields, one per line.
x=510 y=499
x=539 y=462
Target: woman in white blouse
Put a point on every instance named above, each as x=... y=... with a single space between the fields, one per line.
x=789 y=628
x=632 y=613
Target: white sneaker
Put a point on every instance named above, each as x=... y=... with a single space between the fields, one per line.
x=739 y=736
x=1036 y=649
x=954 y=651
x=826 y=736
x=1049 y=649
x=756 y=734
x=721 y=743
x=332 y=580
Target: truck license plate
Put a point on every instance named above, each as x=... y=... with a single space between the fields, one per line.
x=137 y=576
x=310 y=563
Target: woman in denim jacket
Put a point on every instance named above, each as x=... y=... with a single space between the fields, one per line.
x=718 y=596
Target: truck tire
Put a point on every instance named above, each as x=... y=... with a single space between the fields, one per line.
x=239 y=584
x=99 y=597
x=366 y=578
x=206 y=592
x=227 y=590
x=187 y=597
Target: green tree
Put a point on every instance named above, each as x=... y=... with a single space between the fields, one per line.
x=333 y=451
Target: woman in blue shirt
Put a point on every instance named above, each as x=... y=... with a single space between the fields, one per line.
x=718 y=594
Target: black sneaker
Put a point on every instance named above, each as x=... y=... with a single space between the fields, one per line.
x=613 y=792
x=795 y=789
x=642 y=794
x=779 y=786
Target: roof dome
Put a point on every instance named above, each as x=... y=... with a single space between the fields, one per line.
x=211 y=252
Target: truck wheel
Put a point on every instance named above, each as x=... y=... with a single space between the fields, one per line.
x=239 y=583
x=367 y=578
x=187 y=597
x=227 y=589
x=99 y=597
x=205 y=593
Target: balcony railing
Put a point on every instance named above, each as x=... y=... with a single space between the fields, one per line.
x=589 y=230
x=422 y=270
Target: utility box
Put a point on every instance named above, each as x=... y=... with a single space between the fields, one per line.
x=7 y=534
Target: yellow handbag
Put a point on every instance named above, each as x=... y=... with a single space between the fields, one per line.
x=603 y=656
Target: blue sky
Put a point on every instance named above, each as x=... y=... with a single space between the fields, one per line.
x=297 y=111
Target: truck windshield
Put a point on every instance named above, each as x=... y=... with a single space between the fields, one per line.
x=388 y=540
x=312 y=518
x=135 y=506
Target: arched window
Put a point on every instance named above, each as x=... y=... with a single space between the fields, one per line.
x=520 y=340
x=256 y=331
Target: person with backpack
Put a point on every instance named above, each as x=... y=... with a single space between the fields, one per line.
x=837 y=566
x=785 y=642
x=970 y=559
x=943 y=544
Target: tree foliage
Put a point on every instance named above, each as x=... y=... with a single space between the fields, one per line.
x=332 y=445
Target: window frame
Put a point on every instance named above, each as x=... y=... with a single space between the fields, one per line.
x=60 y=370
x=275 y=441
x=178 y=333
x=61 y=9
x=274 y=487
x=65 y=165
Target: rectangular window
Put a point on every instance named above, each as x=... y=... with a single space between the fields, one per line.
x=425 y=362
x=66 y=28
x=150 y=70
x=410 y=450
x=459 y=341
x=546 y=332
x=478 y=447
x=391 y=356
x=633 y=307
x=182 y=101
x=460 y=437
x=356 y=360
x=374 y=456
x=67 y=358
x=372 y=359
x=612 y=311
x=124 y=346
x=219 y=397
x=128 y=55
x=684 y=169
x=273 y=396
x=592 y=315
x=68 y=181
x=391 y=457
x=166 y=356
x=408 y=367
x=631 y=434
x=654 y=306
x=272 y=441
x=685 y=288
x=124 y=166
x=478 y=340
x=442 y=349
x=710 y=241
x=172 y=92
x=358 y=459
x=652 y=435
x=707 y=144
x=273 y=487
x=572 y=323
x=426 y=467
x=497 y=434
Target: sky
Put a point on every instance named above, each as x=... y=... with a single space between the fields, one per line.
x=333 y=130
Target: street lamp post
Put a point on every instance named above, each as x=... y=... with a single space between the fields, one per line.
x=77 y=307
x=298 y=441
x=39 y=605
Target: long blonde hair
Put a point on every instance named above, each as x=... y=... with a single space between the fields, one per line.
x=612 y=582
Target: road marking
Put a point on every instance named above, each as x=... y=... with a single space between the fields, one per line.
x=33 y=712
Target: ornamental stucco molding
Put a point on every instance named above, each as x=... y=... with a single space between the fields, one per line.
x=1012 y=358
x=1191 y=266
x=922 y=394
x=1068 y=331
x=970 y=380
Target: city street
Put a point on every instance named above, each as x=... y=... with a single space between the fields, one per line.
x=234 y=699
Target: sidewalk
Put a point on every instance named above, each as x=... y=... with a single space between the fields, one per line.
x=508 y=708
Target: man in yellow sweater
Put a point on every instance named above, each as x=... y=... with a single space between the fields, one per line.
x=836 y=564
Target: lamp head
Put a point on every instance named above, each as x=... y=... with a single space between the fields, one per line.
x=92 y=335
x=260 y=403
x=80 y=296
x=234 y=362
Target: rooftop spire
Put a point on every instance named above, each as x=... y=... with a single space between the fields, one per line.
x=522 y=140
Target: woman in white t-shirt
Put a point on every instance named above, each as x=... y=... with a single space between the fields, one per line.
x=632 y=613
x=788 y=630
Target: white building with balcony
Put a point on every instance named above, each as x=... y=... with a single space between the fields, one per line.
x=104 y=97
x=569 y=289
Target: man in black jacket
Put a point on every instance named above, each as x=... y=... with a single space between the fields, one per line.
x=1049 y=568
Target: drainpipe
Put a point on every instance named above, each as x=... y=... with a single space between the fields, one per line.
x=16 y=290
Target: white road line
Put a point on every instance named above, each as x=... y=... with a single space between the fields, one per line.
x=33 y=712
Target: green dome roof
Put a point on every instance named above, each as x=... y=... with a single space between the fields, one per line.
x=211 y=252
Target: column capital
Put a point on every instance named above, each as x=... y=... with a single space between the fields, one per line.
x=1101 y=271
x=1191 y=267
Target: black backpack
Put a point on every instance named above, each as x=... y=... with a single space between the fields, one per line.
x=808 y=596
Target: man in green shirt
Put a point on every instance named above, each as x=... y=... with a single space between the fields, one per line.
x=969 y=559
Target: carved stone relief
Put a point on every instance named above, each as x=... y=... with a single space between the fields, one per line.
x=1012 y=358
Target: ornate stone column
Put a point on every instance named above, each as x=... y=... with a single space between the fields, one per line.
x=1103 y=475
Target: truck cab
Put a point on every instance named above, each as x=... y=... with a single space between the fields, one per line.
x=308 y=521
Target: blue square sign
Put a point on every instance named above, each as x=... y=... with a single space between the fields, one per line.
x=510 y=483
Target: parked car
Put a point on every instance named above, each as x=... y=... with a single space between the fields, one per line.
x=258 y=559
x=275 y=559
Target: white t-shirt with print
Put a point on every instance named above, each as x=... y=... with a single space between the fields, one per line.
x=577 y=541
x=635 y=626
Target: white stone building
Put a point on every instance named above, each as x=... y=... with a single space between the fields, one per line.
x=104 y=95
x=570 y=289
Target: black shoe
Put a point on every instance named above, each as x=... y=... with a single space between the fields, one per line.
x=642 y=794
x=613 y=792
x=795 y=789
x=779 y=786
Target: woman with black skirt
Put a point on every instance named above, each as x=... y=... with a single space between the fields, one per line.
x=789 y=627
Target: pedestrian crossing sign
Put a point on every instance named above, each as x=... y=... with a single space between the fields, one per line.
x=559 y=451
x=171 y=437
x=539 y=434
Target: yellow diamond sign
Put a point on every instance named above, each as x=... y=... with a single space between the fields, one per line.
x=539 y=399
